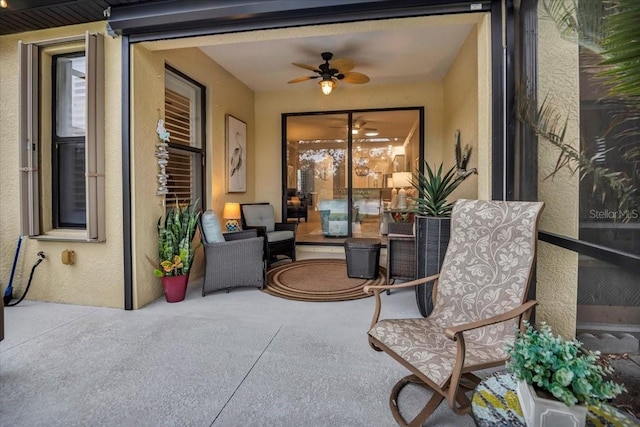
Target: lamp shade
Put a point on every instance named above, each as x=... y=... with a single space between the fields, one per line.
x=328 y=85
x=402 y=179
x=231 y=211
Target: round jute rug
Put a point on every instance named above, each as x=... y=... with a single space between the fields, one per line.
x=318 y=280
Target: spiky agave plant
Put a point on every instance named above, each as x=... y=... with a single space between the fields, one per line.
x=175 y=237
x=434 y=188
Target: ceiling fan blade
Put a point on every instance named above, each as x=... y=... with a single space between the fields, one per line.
x=355 y=77
x=302 y=79
x=342 y=65
x=306 y=67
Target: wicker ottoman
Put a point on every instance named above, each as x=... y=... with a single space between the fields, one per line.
x=363 y=257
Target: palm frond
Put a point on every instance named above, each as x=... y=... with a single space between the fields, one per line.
x=621 y=50
x=579 y=21
x=549 y=124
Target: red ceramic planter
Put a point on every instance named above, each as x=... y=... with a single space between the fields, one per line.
x=175 y=287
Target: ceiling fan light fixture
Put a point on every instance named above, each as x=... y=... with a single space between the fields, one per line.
x=328 y=85
x=4 y=4
x=371 y=132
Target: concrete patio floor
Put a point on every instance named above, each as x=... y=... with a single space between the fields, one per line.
x=242 y=358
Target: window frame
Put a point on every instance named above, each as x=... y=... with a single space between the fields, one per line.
x=32 y=124
x=55 y=140
x=198 y=126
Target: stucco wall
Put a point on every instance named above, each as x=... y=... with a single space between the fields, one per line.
x=557 y=278
x=225 y=95
x=96 y=276
x=461 y=112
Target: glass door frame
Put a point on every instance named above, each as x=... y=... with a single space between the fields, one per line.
x=349 y=157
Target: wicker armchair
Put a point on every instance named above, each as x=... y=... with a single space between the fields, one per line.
x=279 y=237
x=233 y=263
x=479 y=296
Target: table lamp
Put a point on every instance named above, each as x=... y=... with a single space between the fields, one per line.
x=394 y=193
x=232 y=214
x=402 y=180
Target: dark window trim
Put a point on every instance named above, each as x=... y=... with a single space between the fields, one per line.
x=349 y=113
x=127 y=230
x=55 y=140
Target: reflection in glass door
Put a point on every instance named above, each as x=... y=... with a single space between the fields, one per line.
x=336 y=192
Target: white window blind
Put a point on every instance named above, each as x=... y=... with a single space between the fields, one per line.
x=182 y=120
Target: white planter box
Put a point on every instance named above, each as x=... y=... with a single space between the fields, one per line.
x=540 y=412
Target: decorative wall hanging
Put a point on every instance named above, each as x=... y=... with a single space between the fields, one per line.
x=236 y=155
x=162 y=154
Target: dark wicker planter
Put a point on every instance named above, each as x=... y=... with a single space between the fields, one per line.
x=432 y=239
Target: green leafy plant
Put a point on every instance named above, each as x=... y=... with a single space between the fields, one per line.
x=434 y=188
x=566 y=370
x=175 y=237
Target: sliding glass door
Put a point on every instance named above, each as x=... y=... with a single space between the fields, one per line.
x=339 y=167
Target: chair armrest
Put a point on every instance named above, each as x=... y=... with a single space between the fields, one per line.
x=453 y=332
x=282 y=226
x=239 y=235
x=260 y=229
x=378 y=288
x=373 y=288
x=233 y=249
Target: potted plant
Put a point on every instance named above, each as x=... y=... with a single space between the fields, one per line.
x=433 y=219
x=176 y=250
x=557 y=378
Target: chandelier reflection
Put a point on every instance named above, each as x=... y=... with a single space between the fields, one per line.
x=361 y=168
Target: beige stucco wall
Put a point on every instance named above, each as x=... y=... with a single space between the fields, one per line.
x=96 y=277
x=225 y=95
x=557 y=274
x=461 y=112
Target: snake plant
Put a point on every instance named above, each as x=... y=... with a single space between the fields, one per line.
x=175 y=237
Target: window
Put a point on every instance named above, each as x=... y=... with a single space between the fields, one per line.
x=68 y=141
x=183 y=103
x=62 y=138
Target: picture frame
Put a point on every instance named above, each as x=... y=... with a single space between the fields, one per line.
x=236 y=154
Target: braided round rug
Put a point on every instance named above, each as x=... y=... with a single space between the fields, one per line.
x=318 y=280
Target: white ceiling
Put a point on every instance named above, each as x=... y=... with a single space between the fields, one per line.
x=386 y=56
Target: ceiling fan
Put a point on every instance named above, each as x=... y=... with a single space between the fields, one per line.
x=330 y=73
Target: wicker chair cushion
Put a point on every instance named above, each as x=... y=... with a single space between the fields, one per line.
x=278 y=236
x=211 y=227
x=484 y=274
x=260 y=216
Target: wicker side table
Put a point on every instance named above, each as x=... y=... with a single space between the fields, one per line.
x=401 y=252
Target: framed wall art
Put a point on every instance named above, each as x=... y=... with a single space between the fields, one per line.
x=236 y=155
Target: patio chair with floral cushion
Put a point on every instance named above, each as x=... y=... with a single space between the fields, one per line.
x=479 y=299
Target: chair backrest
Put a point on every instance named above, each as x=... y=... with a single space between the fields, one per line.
x=259 y=215
x=488 y=264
